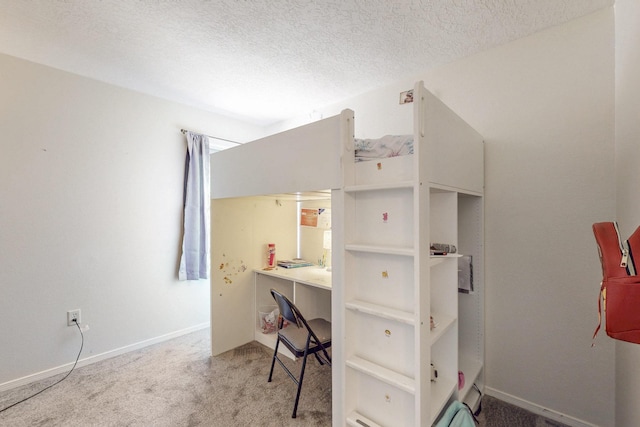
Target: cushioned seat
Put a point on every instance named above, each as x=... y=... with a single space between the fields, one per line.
x=296 y=338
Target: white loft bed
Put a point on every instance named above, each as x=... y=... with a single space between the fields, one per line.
x=376 y=381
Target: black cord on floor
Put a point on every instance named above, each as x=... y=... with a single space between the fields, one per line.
x=57 y=382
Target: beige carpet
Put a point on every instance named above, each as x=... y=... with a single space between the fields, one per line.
x=178 y=383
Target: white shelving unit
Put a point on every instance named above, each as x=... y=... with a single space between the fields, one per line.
x=385 y=285
x=393 y=209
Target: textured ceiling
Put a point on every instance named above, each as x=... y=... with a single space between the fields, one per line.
x=266 y=60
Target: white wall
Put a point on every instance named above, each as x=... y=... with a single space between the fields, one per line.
x=91 y=180
x=241 y=229
x=627 y=13
x=545 y=106
x=312 y=238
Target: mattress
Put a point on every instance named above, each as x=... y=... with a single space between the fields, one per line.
x=386 y=146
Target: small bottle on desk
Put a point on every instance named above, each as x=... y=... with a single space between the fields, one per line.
x=271 y=256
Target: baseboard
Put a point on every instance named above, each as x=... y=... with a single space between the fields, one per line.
x=537 y=409
x=98 y=357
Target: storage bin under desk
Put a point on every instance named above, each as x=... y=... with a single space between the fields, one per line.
x=309 y=288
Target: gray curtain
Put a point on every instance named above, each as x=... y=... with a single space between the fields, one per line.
x=194 y=262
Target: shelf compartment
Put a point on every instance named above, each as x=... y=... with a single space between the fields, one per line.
x=443 y=211
x=444 y=323
x=435 y=260
x=471 y=369
x=473 y=399
x=441 y=392
x=263 y=283
x=382 y=311
x=269 y=340
x=444 y=287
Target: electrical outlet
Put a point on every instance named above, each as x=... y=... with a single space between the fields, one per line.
x=73 y=317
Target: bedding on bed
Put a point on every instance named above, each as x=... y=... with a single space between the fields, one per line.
x=387 y=146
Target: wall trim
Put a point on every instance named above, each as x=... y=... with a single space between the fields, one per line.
x=537 y=409
x=99 y=357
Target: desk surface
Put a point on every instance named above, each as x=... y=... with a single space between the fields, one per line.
x=312 y=276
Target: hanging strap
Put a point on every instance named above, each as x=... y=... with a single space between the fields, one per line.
x=631 y=266
x=602 y=297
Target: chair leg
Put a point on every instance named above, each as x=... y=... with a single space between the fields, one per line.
x=304 y=364
x=273 y=361
x=318 y=358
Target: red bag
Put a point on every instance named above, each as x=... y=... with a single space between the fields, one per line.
x=620 y=289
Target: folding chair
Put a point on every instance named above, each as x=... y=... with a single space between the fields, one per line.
x=302 y=338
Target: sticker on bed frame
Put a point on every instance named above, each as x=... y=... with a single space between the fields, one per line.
x=406 y=97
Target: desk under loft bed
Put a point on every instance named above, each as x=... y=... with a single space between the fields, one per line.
x=394 y=306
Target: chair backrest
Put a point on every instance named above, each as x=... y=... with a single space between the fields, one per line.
x=288 y=310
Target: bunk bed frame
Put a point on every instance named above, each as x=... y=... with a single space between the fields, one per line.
x=388 y=288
